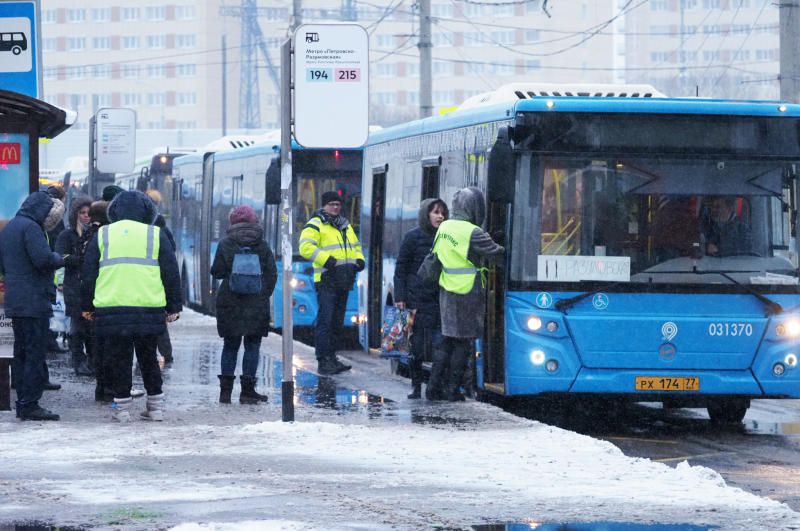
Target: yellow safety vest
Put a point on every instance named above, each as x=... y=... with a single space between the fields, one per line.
x=129 y=272
x=451 y=247
x=319 y=241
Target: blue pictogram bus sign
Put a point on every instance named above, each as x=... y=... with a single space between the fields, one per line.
x=19 y=61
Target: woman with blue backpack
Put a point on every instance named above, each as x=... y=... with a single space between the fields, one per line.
x=245 y=264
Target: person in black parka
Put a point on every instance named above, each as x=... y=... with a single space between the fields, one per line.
x=130 y=324
x=242 y=316
x=67 y=246
x=164 y=341
x=28 y=264
x=412 y=293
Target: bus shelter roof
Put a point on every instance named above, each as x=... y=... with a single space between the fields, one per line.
x=50 y=120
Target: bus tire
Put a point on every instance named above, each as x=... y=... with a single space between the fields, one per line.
x=16 y=50
x=727 y=411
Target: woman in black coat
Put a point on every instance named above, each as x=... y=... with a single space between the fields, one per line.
x=242 y=315
x=412 y=293
x=67 y=246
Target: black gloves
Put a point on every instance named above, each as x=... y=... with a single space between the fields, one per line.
x=360 y=264
x=330 y=263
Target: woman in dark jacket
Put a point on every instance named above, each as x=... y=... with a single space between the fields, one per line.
x=67 y=246
x=412 y=293
x=242 y=315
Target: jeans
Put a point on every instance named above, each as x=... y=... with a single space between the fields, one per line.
x=423 y=342
x=31 y=335
x=330 y=322
x=120 y=351
x=230 y=352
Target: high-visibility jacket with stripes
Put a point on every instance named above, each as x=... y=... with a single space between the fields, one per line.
x=129 y=272
x=319 y=241
x=452 y=247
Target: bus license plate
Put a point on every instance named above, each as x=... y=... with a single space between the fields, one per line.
x=661 y=383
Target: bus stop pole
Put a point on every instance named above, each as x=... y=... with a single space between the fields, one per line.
x=287 y=385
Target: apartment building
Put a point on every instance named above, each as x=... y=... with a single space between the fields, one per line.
x=713 y=48
x=165 y=59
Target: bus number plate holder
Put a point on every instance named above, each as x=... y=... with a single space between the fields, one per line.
x=664 y=383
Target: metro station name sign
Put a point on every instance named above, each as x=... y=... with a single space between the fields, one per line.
x=10 y=153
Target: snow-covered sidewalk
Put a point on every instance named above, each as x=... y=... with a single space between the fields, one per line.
x=228 y=466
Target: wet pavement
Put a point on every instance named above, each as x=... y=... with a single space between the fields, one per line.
x=234 y=482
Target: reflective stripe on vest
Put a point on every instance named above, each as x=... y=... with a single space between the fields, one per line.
x=346 y=250
x=452 y=246
x=129 y=272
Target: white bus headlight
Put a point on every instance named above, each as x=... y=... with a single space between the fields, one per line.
x=534 y=323
x=789 y=328
x=790 y=359
x=537 y=357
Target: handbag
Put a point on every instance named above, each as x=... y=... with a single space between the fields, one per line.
x=396 y=332
x=431 y=268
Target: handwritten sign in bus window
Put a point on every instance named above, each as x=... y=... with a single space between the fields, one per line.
x=561 y=268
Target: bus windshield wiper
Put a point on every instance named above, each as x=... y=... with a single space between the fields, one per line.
x=773 y=308
x=565 y=304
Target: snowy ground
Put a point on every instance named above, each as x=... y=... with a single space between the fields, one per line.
x=395 y=465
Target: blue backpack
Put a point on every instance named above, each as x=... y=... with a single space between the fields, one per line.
x=245 y=276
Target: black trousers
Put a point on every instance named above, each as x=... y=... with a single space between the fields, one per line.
x=31 y=335
x=165 y=346
x=459 y=350
x=330 y=321
x=120 y=350
x=80 y=341
x=424 y=341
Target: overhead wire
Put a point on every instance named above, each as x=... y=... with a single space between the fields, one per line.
x=739 y=50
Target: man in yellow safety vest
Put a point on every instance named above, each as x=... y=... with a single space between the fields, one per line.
x=330 y=243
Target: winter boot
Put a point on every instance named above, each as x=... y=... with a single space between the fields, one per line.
x=225 y=388
x=436 y=383
x=80 y=365
x=119 y=409
x=249 y=394
x=155 y=408
x=341 y=367
x=416 y=393
x=327 y=367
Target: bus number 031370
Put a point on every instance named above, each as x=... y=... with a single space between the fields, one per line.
x=730 y=329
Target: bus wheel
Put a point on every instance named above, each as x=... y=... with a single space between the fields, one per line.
x=728 y=411
x=16 y=50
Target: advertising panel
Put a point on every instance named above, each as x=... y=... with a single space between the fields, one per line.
x=14 y=181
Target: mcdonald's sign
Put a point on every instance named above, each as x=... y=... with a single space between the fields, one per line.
x=10 y=153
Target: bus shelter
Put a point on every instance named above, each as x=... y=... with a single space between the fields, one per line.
x=23 y=121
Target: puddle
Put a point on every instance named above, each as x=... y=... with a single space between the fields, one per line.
x=589 y=526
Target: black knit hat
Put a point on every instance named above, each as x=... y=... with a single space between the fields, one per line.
x=110 y=191
x=330 y=197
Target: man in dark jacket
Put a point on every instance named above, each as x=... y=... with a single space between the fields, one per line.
x=164 y=341
x=412 y=293
x=28 y=265
x=131 y=286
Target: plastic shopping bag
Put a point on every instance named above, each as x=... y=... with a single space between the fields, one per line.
x=59 y=322
x=397 y=329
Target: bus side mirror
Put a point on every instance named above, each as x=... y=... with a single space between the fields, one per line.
x=273 y=182
x=502 y=169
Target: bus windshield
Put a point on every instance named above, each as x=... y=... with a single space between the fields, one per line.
x=656 y=221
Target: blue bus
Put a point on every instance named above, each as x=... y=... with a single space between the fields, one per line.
x=211 y=183
x=651 y=242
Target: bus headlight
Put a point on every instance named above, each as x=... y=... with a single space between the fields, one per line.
x=551 y=366
x=790 y=359
x=537 y=357
x=778 y=369
x=552 y=326
x=534 y=323
x=789 y=328
x=297 y=284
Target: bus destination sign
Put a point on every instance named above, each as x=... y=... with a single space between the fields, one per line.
x=331 y=79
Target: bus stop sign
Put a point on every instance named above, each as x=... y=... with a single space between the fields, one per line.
x=19 y=64
x=331 y=80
